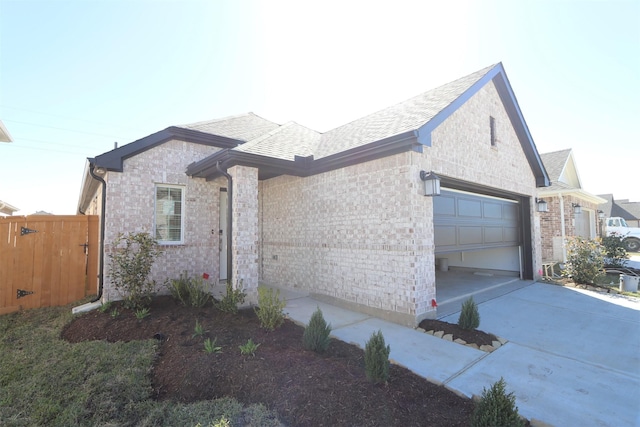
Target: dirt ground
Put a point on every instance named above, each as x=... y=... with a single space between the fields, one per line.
x=303 y=387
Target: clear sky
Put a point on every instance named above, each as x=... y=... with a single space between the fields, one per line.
x=77 y=76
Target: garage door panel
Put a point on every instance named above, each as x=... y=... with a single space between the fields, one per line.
x=511 y=235
x=470 y=235
x=493 y=235
x=469 y=208
x=493 y=210
x=446 y=206
x=465 y=222
x=445 y=236
x=510 y=212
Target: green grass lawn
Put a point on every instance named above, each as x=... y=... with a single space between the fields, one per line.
x=46 y=381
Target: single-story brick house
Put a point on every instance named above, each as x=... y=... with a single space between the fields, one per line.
x=342 y=214
x=572 y=211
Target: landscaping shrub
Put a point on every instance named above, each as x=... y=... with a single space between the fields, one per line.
x=249 y=348
x=585 y=260
x=469 y=317
x=270 y=308
x=496 y=408
x=376 y=358
x=316 y=334
x=234 y=297
x=190 y=291
x=614 y=250
x=131 y=261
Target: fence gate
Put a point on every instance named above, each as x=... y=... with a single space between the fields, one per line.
x=47 y=260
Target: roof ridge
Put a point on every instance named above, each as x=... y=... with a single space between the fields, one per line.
x=222 y=119
x=484 y=71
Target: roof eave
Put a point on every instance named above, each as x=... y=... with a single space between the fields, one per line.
x=270 y=167
x=114 y=160
x=577 y=192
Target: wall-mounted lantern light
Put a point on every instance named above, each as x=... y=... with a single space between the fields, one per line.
x=600 y=214
x=431 y=183
x=543 y=206
x=577 y=209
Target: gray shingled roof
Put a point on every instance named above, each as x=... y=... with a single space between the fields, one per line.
x=624 y=209
x=555 y=162
x=284 y=142
x=400 y=118
x=266 y=138
x=244 y=127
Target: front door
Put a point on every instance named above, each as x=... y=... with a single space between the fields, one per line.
x=223 y=234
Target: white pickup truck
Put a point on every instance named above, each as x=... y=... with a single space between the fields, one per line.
x=631 y=235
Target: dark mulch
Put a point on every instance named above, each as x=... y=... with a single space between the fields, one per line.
x=470 y=336
x=303 y=387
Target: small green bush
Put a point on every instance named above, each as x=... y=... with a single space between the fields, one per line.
x=376 y=358
x=131 y=261
x=614 y=250
x=270 y=308
x=198 y=330
x=190 y=291
x=469 y=317
x=496 y=408
x=249 y=348
x=141 y=313
x=316 y=334
x=232 y=298
x=585 y=260
x=211 y=347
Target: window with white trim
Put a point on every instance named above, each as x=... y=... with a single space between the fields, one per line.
x=169 y=215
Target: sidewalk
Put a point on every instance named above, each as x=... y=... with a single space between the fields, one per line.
x=571 y=359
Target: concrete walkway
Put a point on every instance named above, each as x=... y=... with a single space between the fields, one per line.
x=573 y=357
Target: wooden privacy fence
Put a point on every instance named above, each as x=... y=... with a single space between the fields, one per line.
x=47 y=260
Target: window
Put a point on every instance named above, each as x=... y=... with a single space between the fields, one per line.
x=169 y=214
x=492 y=127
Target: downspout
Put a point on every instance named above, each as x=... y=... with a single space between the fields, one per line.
x=562 y=230
x=229 y=220
x=102 y=226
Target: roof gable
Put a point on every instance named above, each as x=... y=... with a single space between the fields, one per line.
x=114 y=160
x=408 y=116
x=562 y=169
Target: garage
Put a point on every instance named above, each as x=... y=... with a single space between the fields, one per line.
x=478 y=242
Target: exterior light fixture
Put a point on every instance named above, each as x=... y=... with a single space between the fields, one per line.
x=577 y=209
x=543 y=206
x=600 y=214
x=431 y=183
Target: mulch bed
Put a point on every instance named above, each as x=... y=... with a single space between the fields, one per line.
x=303 y=387
x=470 y=336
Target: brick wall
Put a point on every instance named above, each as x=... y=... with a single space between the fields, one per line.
x=551 y=223
x=245 y=231
x=363 y=235
x=130 y=208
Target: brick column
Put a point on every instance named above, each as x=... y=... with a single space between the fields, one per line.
x=244 y=235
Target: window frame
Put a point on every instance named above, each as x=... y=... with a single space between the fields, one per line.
x=182 y=189
x=492 y=130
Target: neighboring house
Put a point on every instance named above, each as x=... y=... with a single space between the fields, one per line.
x=4 y=133
x=7 y=209
x=341 y=214
x=571 y=210
x=630 y=211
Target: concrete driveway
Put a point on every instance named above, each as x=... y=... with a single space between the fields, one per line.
x=573 y=357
